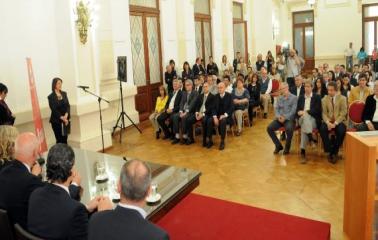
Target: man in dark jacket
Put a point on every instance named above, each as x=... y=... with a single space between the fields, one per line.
x=370 y=115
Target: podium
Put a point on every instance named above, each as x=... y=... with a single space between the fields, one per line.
x=361 y=192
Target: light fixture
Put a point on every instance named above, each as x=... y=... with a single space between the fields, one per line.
x=85 y=18
x=311 y=2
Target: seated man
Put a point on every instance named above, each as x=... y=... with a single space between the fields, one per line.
x=213 y=88
x=187 y=104
x=298 y=88
x=172 y=107
x=361 y=92
x=222 y=112
x=334 y=112
x=204 y=110
x=53 y=214
x=285 y=113
x=227 y=82
x=265 y=90
x=19 y=179
x=128 y=219
x=370 y=113
x=309 y=112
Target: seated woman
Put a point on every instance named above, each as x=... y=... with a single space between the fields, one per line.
x=8 y=135
x=254 y=93
x=345 y=88
x=161 y=101
x=320 y=87
x=240 y=97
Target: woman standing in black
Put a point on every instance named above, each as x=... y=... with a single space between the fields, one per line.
x=6 y=116
x=60 y=111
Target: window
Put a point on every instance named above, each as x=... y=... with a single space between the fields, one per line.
x=369 y=28
x=144 y=3
x=203 y=29
x=239 y=31
x=237 y=10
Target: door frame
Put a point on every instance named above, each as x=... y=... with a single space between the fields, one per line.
x=303 y=27
x=369 y=19
x=238 y=21
x=149 y=88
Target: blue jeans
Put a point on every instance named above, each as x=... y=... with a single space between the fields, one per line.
x=289 y=129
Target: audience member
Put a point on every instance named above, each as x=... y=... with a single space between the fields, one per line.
x=187 y=71
x=298 y=88
x=197 y=68
x=293 y=67
x=169 y=75
x=361 y=92
x=8 y=135
x=161 y=101
x=259 y=63
x=212 y=67
x=320 y=87
x=128 y=219
x=370 y=113
x=269 y=61
x=240 y=97
x=254 y=93
x=236 y=61
x=265 y=90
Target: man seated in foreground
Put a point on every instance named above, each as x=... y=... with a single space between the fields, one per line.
x=370 y=113
x=53 y=214
x=128 y=219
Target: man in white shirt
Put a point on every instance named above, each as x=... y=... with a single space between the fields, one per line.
x=349 y=53
x=294 y=65
x=227 y=82
x=128 y=219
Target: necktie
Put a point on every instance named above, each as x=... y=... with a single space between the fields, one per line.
x=203 y=109
x=333 y=109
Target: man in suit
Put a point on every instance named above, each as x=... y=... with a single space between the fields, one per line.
x=198 y=69
x=285 y=113
x=172 y=107
x=355 y=74
x=334 y=109
x=361 y=92
x=128 y=219
x=187 y=105
x=204 y=110
x=298 y=88
x=222 y=112
x=370 y=113
x=309 y=113
x=53 y=214
x=236 y=61
x=19 y=179
x=197 y=85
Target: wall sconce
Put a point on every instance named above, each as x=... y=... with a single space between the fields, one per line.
x=83 y=20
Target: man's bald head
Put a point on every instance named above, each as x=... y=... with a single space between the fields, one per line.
x=26 y=148
x=221 y=87
x=135 y=180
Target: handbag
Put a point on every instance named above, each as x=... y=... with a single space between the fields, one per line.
x=66 y=129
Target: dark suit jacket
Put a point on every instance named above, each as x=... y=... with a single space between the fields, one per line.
x=169 y=79
x=16 y=185
x=187 y=75
x=6 y=117
x=254 y=93
x=53 y=214
x=315 y=107
x=198 y=69
x=122 y=223
x=191 y=101
x=223 y=105
x=209 y=104
x=58 y=108
x=369 y=109
x=293 y=90
x=176 y=107
x=199 y=89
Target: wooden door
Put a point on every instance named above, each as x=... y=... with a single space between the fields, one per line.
x=303 y=37
x=146 y=55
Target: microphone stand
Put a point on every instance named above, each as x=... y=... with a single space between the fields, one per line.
x=99 y=99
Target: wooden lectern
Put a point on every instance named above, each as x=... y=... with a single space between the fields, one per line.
x=361 y=155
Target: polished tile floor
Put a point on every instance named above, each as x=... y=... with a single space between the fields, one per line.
x=247 y=172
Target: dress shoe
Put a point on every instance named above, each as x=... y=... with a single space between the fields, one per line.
x=221 y=146
x=278 y=149
x=265 y=115
x=204 y=144
x=189 y=141
x=167 y=137
x=303 y=156
x=238 y=133
x=175 y=141
x=286 y=152
x=183 y=141
x=210 y=144
x=332 y=159
x=157 y=135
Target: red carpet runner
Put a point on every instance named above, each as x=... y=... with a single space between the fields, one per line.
x=200 y=217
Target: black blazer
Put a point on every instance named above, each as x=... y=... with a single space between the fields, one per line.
x=315 y=107
x=212 y=69
x=191 y=102
x=169 y=80
x=199 y=89
x=223 y=105
x=6 y=117
x=197 y=70
x=16 y=185
x=176 y=107
x=254 y=93
x=122 y=223
x=369 y=109
x=58 y=107
x=53 y=214
x=293 y=90
x=209 y=104
x=187 y=75
x=259 y=65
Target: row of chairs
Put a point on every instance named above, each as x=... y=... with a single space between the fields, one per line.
x=7 y=232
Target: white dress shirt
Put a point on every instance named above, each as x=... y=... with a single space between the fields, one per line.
x=138 y=209
x=172 y=102
x=62 y=186
x=375 y=117
x=307 y=102
x=27 y=166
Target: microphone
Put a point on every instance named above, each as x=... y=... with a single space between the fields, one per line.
x=83 y=87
